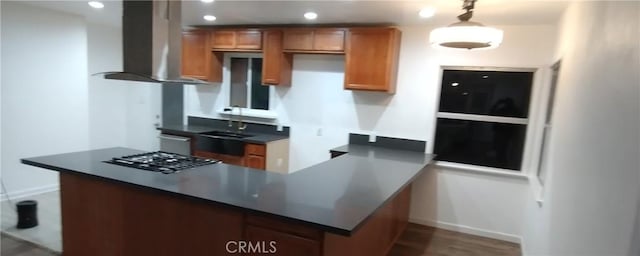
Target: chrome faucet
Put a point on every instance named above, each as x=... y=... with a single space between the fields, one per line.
x=240 y=125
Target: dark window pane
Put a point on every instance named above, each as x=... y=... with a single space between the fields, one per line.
x=495 y=93
x=480 y=143
x=259 y=92
x=238 y=92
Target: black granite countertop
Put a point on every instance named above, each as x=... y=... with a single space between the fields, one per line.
x=186 y=129
x=336 y=196
x=189 y=130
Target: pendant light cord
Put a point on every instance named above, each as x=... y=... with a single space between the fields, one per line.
x=468 y=6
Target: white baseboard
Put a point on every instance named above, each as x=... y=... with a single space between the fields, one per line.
x=469 y=230
x=15 y=195
x=523 y=248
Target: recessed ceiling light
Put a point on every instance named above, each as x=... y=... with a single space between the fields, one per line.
x=427 y=12
x=310 y=15
x=96 y=4
x=454 y=84
x=206 y=1
x=209 y=17
x=485 y=77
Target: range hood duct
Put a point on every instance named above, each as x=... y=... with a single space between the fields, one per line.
x=151 y=43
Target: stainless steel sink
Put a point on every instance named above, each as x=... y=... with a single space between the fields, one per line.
x=227 y=134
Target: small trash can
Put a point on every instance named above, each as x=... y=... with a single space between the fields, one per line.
x=27 y=214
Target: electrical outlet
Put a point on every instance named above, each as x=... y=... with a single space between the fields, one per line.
x=279 y=128
x=372 y=137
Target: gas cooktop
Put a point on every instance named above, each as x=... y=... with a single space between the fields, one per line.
x=160 y=161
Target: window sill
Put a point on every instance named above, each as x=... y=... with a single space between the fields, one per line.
x=537 y=189
x=482 y=170
x=247 y=112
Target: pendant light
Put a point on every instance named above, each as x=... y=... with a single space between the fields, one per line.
x=466 y=34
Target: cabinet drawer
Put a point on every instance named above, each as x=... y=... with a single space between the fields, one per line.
x=285 y=227
x=255 y=149
x=283 y=243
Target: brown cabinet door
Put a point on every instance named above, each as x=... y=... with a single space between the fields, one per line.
x=255 y=149
x=276 y=65
x=371 y=59
x=279 y=243
x=328 y=40
x=248 y=39
x=195 y=54
x=105 y=218
x=298 y=39
x=216 y=64
x=223 y=39
x=256 y=162
x=153 y=219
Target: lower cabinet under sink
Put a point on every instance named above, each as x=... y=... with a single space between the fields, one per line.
x=219 y=145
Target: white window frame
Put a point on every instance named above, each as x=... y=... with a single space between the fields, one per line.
x=249 y=56
x=543 y=153
x=530 y=122
x=225 y=89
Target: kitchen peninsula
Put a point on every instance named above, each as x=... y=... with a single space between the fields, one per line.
x=354 y=204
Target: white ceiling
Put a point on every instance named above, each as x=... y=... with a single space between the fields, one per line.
x=494 y=12
x=111 y=14
x=489 y=12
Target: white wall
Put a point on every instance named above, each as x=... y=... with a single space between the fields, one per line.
x=321 y=114
x=593 y=190
x=44 y=92
x=50 y=103
x=107 y=98
x=460 y=200
x=122 y=113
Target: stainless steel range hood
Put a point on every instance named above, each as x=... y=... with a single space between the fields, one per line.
x=151 y=43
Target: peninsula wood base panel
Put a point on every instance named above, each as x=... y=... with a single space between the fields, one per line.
x=102 y=217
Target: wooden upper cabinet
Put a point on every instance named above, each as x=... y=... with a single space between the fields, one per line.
x=298 y=39
x=249 y=39
x=371 y=60
x=321 y=40
x=236 y=40
x=328 y=40
x=195 y=55
x=223 y=39
x=276 y=64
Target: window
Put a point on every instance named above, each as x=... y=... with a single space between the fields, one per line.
x=546 y=132
x=246 y=88
x=482 y=118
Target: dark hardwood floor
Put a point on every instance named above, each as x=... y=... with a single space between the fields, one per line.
x=417 y=240
x=16 y=247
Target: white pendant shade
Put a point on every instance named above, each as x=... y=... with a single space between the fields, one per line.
x=466 y=35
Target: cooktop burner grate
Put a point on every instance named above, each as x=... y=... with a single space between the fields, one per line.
x=160 y=161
